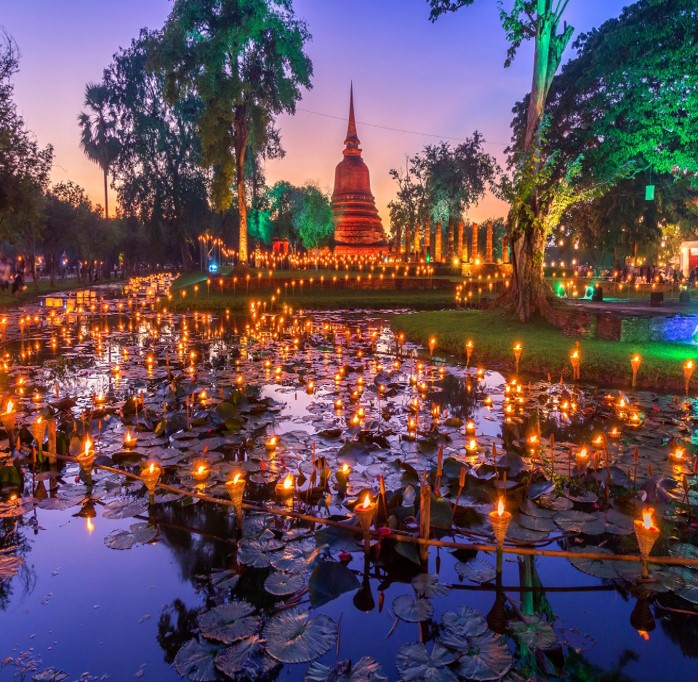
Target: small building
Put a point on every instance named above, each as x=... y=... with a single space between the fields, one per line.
x=280 y=247
x=688 y=257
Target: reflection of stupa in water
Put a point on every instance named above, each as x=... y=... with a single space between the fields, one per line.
x=358 y=228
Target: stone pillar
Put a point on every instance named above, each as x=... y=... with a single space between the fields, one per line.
x=473 y=249
x=408 y=243
x=505 y=249
x=488 y=243
x=461 y=237
x=417 y=245
x=437 y=243
x=451 y=238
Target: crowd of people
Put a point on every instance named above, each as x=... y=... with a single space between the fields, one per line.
x=11 y=274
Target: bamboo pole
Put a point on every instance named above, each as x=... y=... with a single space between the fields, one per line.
x=401 y=537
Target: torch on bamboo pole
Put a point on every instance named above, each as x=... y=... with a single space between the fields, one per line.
x=400 y=537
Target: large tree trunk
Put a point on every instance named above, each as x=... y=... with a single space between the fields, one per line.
x=241 y=138
x=528 y=293
x=106 y=196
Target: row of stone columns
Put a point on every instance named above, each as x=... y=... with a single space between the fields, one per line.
x=454 y=242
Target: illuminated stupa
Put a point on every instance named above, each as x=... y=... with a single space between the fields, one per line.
x=358 y=229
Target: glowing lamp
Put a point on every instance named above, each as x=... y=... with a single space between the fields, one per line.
x=151 y=475
x=500 y=519
x=271 y=443
x=201 y=471
x=365 y=512
x=285 y=489
x=646 y=533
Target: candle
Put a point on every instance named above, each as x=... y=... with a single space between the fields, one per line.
x=517 y=355
x=677 y=455
x=271 y=443
x=364 y=512
x=646 y=533
x=470 y=427
x=500 y=520
x=635 y=363
x=285 y=489
x=342 y=475
x=468 y=351
x=235 y=488
x=201 y=471
x=151 y=476
x=129 y=441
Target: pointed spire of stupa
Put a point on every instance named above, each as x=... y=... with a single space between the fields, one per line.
x=352 y=141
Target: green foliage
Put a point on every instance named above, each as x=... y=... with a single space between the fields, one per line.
x=97 y=138
x=313 y=220
x=244 y=60
x=24 y=166
x=160 y=181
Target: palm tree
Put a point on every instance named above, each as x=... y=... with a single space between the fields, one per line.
x=97 y=137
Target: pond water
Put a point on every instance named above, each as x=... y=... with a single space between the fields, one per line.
x=96 y=583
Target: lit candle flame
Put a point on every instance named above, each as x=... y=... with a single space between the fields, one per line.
x=152 y=468
x=10 y=405
x=500 y=507
x=288 y=482
x=647 y=520
x=236 y=478
x=345 y=468
x=88 y=445
x=201 y=469
x=366 y=504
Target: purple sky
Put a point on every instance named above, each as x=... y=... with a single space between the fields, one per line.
x=441 y=80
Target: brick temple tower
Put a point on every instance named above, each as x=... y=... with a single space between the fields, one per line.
x=358 y=229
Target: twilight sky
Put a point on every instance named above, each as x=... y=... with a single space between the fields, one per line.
x=414 y=82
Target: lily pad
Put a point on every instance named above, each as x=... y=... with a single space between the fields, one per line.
x=292 y=636
x=487 y=658
x=428 y=585
x=256 y=553
x=464 y=623
x=411 y=610
x=533 y=632
x=280 y=583
x=195 y=660
x=477 y=570
x=245 y=659
x=365 y=670
x=139 y=534
x=416 y=664
x=329 y=580
x=596 y=567
x=228 y=623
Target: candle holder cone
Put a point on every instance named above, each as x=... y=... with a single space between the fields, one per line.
x=646 y=537
x=500 y=525
x=365 y=517
x=235 y=492
x=86 y=460
x=8 y=421
x=38 y=429
x=641 y=617
x=151 y=478
x=497 y=615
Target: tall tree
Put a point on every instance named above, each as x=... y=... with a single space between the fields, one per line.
x=158 y=169
x=313 y=220
x=245 y=61
x=625 y=112
x=97 y=139
x=530 y=214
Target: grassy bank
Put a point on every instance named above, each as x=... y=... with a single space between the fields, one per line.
x=327 y=298
x=30 y=293
x=545 y=349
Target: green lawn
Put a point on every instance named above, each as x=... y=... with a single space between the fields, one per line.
x=327 y=298
x=545 y=349
x=29 y=293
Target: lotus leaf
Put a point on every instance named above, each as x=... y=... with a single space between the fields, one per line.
x=292 y=636
x=228 y=623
